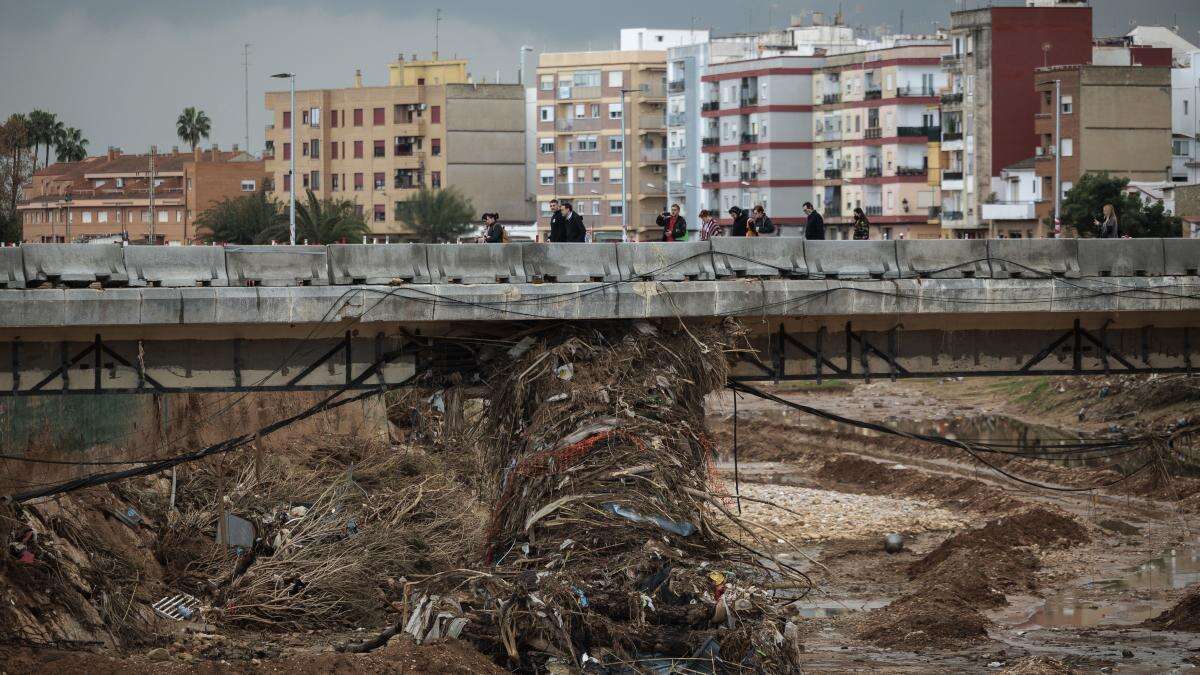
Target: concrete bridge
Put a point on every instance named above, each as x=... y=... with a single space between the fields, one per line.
x=86 y=319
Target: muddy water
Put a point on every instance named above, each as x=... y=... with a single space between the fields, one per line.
x=1140 y=591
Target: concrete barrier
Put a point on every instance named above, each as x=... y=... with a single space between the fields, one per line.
x=674 y=261
x=569 y=263
x=74 y=264
x=12 y=274
x=943 y=259
x=277 y=265
x=851 y=259
x=1034 y=258
x=1121 y=258
x=1181 y=257
x=176 y=266
x=475 y=264
x=759 y=257
x=378 y=263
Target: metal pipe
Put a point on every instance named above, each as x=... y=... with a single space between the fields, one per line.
x=624 y=176
x=292 y=168
x=1057 y=153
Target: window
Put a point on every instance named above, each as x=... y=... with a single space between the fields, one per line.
x=595 y=175
x=314 y=117
x=614 y=111
x=580 y=110
x=1066 y=187
x=546 y=113
x=546 y=146
x=546 y=82
x=380 y=149
x=1068 y=105
x=1185 y=106
x=304 y=149
x=435 y=179
x=615 y=175
x=249 y=186
x=614 y=144
x=315 y=181
x=586 y=78
x=546 y=176
x=1179 y=148
x=379 y=180
x=333 y=119
x=595 y=208
x=580 y=175
x=544 y=207
x=162 y=216
x=304 y=180
x=435 y=147
x=585 y=143
x=615 y=208
x=616 y=78
x=377 y=117
x=380 y=213
x=358 y=117
x=102 y=216
x=1068 y=147
x=333 y=150
x=314 y=149
x=333 y=182
x=358 y=182
x=595 y=110
x=287 y=119
x=287 y=150
x=287 y=182
x=358 y=149
x=435 y=114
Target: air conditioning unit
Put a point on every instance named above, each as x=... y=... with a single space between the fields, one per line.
x=422 y=106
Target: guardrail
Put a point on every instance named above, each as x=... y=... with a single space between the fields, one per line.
x=110 y=265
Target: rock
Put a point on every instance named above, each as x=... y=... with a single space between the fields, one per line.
x=158 y=654
x=1127 y=653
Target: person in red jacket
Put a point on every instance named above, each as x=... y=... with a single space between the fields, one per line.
x=673 y=225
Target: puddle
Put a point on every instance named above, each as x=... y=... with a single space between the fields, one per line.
x=1174 y=570
x=819 y=610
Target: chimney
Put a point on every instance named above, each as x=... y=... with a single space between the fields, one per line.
x=113 y=153
x=235 y=148
x=400 y=58
x=174 y=149
x=215 y=153
x=196 y=153
x=358 y=78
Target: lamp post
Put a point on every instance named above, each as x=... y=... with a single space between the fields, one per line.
x=292 y=157
x=66 y=219
x=624 y=174
x=1057 y=153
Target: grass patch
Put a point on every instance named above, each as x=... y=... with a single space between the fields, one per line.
x=812 y=385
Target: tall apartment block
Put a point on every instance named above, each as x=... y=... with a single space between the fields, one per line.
x=875 y=113
x=376 y=146
x=989 y=104
x=583 y=99
x=757 y=142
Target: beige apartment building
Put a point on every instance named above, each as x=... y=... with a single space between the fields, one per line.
x=582 y=98
x=430 y=126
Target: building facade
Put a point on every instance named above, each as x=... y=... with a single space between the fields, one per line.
x=757 y=137
x=1011 y=214
x=601 y=134
x=1185 y=120
x=1114 y=119
x=988 y=106
x=378 y=146
x=110 y=195
x=875 y=113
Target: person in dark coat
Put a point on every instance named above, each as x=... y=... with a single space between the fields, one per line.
x=862 y=226
x=557 y=222
x=573 y=228
x=674 y=227
x=493 y=231
x=741 y=219
x=761 y=224
x=815 y=227
x=1110 y=228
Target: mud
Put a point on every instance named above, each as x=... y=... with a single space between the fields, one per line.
x=1184 y=616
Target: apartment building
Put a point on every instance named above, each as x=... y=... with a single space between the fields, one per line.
x=601 y=134
x=110 y=195
x=1185 y=120
x=757 y=142
x=1010 y=213
x=1114 y=119
x=431 y=126
x=875 y=112
x=988 y=106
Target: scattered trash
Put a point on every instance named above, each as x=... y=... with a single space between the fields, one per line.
x=683 y=529
x=236 y=532
x=565 y=372
x=518 y=350
x=177 y=607
x=893 y=543
x=558 y=397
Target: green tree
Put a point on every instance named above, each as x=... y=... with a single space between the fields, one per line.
x=320 y=221
x=239 y=220
x=71 y=146
x=15 y=169
x=437 y=216
x=42 y=132
x=192 y=125
x=1084 y=204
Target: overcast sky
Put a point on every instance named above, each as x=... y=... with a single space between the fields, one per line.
x=121 y=70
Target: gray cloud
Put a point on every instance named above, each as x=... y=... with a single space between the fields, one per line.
x=121 y=70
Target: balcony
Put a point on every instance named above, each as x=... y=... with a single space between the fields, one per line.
x=572 y=156
x=828 y=135
x=873 y=172
x=952 y=215
x=676 y=119
x=951 y=59
x=932 y=133
x=577 y=93
x=872 y=94
x=833 y=174
x=914 y=92
x=1009 y=211
x=955 y=98
x=911 y=171
x=833 y=211
x=709 y=142
x=649 y=91
x=952 y=175
x=653 y=155
x=749 y=138
x=935 y=212
x=578 y=124
x=709 y=106
x=677 y=86
x=873 y=210
x=829 y=99
x=677 y=152
x=748 y=101
x=951 y=135
x=652 y=122
x=676 y=187
x=873 y=132
x=710 y=178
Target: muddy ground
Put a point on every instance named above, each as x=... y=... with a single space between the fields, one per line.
x=995 y=576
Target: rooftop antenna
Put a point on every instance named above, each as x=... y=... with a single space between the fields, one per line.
x=902 y=21
x=437 y=29
x=246 y=90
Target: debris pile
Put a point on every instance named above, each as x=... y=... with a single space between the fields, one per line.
x=1184 y=616
x=604 y=545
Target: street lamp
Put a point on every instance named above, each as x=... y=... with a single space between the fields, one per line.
x=67 y=221
x=292 y=156
x=624 y=173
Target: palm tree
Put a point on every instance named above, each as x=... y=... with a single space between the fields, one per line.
x=239 y=220
x=437 y=216
x=57 y=130
x=41 y=132
x=71 y=146
x=321 y=221
x=192 y=125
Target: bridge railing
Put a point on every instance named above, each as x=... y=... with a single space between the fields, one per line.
x=41 y=265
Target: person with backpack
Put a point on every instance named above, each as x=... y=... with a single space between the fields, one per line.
x=674 y=227
x=740 y=227
x=573 y=229
x=862 y=226
x=493 y=231
x=760 y=224
x=815 y=227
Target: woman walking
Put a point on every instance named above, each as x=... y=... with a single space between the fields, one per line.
x=493 y=231
x=862 y=226
x=1109 y=228
x=741 y=222
x=709 y=226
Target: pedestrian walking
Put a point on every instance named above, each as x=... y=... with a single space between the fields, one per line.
x=493 y=231
x=1109 y=229
x=741 y=219
x=710 y=226
x=815 y=227
x=573 y=229
x=760 y=224
x=862 y=226
x=674 y=227
x=557 y=222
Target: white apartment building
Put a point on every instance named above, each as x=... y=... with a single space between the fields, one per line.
x=1185 y=121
